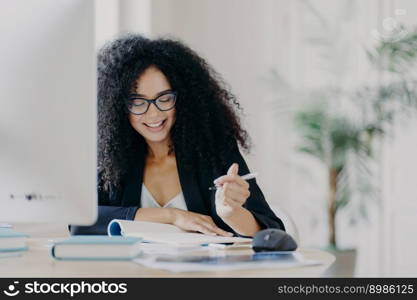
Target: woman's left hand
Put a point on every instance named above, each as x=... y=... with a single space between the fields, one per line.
x=232 y=193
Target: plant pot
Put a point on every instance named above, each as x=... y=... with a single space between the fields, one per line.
x=344 y=265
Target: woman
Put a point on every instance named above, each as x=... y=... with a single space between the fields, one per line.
x=167 y=128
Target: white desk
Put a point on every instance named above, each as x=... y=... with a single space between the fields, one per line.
x=37 y=263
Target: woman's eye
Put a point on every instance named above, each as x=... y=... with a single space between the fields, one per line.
x=138 y=102
x=165 y=98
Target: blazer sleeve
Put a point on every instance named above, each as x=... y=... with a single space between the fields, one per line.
x=256 y=202
x=106 y=213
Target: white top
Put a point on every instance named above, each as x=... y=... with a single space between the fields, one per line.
x=147 y=200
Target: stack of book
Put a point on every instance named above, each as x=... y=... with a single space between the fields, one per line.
x=96 y=247
x=12 y=242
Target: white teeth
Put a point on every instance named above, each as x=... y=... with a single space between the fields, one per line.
x=154 y=124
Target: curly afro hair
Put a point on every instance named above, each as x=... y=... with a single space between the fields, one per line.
x=207 y=126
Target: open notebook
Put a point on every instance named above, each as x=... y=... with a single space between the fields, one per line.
x=166 y=233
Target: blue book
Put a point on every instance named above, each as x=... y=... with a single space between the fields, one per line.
x=96 y=247
x=11 y=240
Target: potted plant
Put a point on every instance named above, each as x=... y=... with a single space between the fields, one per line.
x=346 y=143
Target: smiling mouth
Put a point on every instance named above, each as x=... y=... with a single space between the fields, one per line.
x=156 y=124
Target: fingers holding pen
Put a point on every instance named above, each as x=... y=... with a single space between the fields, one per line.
x=231 y=176
x=235 y=194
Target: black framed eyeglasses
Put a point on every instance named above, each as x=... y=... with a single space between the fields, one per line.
x=138 y=105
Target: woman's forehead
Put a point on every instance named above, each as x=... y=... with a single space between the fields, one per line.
x=151 y=82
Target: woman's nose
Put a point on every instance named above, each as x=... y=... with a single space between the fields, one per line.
x=153 y=110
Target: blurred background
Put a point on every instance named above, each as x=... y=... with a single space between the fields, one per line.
x=329 y=94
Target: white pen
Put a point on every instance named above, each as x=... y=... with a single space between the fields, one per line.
x=245 y=177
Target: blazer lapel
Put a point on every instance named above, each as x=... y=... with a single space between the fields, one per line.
x=191 y=189
x=133 y=187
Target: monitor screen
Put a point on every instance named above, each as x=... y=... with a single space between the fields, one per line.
x=47 y=111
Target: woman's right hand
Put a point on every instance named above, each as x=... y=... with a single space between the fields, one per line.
x=191 y=221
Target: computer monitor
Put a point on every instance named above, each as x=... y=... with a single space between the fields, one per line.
x=47 y=111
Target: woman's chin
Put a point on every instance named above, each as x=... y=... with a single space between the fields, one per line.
x=155 y=137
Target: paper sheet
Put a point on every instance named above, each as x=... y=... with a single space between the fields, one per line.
x=264 y=260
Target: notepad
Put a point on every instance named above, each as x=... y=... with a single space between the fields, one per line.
x=166 y=233
x=11 y=240
x=96 y=247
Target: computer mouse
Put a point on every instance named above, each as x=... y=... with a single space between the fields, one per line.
x=273 y=240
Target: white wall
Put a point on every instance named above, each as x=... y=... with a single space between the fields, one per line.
x=114 y=17
x=107 y=20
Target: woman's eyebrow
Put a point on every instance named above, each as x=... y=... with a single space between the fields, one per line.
x=157 y=95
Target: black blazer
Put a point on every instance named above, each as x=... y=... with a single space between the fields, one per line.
x=123 y=202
